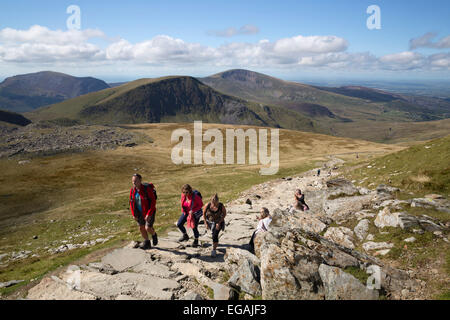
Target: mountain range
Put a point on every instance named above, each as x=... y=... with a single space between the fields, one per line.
x=234 y=97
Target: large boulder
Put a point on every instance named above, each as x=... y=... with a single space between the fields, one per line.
x=296 y=272
x=237 y=256
x=339 y=183
x=386 y=218
x=340 y=285
x=370 y=245
x=430 y=203
x=362 y=228
x=340 y=235
x=247 y=278
x=382 y=188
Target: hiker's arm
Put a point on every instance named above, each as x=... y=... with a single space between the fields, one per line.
x=224 y=214
x=131 y=205
x=182 y=208
x=204 y=216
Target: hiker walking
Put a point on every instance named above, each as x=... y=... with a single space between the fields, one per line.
x=143 y=208
x=214 y=215
x=191 y=207
x=300 y=203
x=263 y=225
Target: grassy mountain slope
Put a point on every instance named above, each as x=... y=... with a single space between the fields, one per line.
x=170 y=99
x=30 y=91
x=422 y=168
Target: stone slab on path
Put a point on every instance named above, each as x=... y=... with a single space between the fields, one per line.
x=49 y=289
x=125 y=258
x=154 y=269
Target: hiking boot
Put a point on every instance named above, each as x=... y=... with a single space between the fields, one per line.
x=145 y=245
x=155 y=239
x=136 y=245
x=184 y=237
x=213 y=253
x=195 y=243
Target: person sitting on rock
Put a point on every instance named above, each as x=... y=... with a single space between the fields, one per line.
x=214 y=215
x=263 y=225
x=300 y=203
x=191 y=207
x=143 y=209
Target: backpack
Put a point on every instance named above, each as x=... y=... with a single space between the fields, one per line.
x=194 y=194
x=150 y=185
x=197 y=193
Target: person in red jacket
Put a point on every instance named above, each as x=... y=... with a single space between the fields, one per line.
x=143 y=209
x=191 y=213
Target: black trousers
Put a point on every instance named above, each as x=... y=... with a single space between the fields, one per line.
x=214 y=231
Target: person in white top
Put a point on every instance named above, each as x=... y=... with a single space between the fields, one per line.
x=263 y=225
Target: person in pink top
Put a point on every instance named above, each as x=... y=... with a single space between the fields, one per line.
x=191 y=207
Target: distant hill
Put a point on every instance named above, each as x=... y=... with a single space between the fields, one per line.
x=344 y=104
x=116 y=84
x=13 y=118
x=419 y=107
x=362 y=93
x=262 y=88
x=26 y=92
x=171 y=99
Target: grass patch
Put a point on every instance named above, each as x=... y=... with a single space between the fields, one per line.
x=209 y=291
x=443 y=296
x=358 y=273
x=428 y=173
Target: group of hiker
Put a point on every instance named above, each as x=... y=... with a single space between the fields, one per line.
x=143 y=199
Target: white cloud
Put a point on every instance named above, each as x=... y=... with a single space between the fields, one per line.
x=40 y=44
x=310 y=44
x=285 y=51
x=160 y=49
x=426 y=41
x=340 y=60
x=440 y=61
x=406 y=60
x=44 y=46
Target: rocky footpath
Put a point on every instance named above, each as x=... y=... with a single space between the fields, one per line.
x=304 y=255
x=48 y=138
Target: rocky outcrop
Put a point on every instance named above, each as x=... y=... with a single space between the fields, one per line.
x=340 y=235
x=246 y=278
x=340 y=285
x=292 y=257
x=361 y=229
x=50 y=138
x=386 y=218
x=432 y=202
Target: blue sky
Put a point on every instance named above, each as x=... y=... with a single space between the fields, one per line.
x=130 y=46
